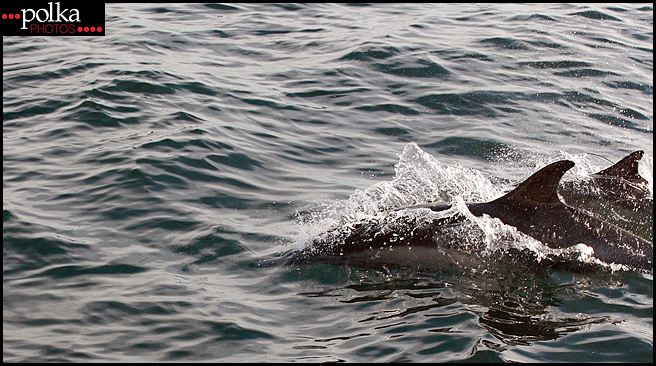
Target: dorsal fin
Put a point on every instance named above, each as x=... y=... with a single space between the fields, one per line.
x=541 y=187
x=626 y=168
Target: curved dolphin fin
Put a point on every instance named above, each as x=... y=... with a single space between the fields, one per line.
x=541 y=187
x=626 y=168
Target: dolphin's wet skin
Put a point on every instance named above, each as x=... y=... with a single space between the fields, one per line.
x=617 y=194
x=598 y=212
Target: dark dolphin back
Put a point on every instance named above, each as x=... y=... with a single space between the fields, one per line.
x=535 y=209
x=626 y=168
x=541 y=187
x=617 y=194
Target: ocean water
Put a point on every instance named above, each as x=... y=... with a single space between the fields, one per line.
x=145 y=170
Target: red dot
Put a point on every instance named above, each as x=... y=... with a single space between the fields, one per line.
x=17 y=16
x=86 y=29
x=93 y=29
x=79 y=29
x=99 y=29
x=4 y=16
x=11 y=16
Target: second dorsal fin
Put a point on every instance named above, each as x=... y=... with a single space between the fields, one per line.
x=626 y=168
x=541 y=187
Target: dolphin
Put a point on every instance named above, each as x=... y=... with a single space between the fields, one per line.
x=617 y=194
x=533 y=207
x=620 y=181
